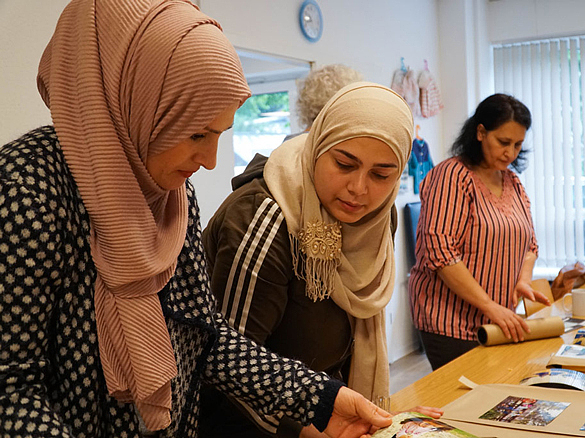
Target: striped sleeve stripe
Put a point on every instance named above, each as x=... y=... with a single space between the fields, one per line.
x=250 y=293
x=256 y=241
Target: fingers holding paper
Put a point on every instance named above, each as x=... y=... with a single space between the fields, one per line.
x=355 y=416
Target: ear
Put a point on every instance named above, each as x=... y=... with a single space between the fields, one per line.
x=481 y=132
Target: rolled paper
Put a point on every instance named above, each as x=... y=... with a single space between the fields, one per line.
x=540 y=328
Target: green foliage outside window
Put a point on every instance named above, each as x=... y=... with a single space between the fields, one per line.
x=264 y=114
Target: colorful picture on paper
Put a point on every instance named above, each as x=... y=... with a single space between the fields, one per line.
x=523 y=410
x=572 y=350
x=579 y=337
x=414 y=425
x=556 y=378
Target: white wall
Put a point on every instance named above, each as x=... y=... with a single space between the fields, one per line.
x=369 y=36
x=520 y=20
x=465 y=63
x=25 y=29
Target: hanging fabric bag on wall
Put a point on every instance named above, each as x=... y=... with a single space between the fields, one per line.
x=404 y=83
x=430 y=97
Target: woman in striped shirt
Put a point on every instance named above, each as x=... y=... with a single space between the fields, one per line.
x=475 y=245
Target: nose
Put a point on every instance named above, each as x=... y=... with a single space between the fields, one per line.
x=358 y=184
x=509 y=152
x=207 y=155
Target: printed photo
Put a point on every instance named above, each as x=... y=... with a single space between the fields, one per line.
x=579 y=337
x=521 y=410
x=414 y=425
x=571 y=350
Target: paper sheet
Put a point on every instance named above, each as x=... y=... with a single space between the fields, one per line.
x=467 y=410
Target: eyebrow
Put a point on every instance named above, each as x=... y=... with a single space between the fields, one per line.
x=215 y=131
x=353 y=157
x=511 y=140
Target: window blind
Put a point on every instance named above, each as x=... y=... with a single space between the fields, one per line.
x=546 y=75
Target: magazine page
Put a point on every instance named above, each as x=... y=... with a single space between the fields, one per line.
x=413 y=424
x=571 y=356
x=579 y=337
x=556 y=378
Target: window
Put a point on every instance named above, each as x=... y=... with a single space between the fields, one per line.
x=547 y=75
x=260 y=125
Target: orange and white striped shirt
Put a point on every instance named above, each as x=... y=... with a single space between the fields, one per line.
x=462 y=220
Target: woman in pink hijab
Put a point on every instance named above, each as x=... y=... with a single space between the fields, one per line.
x=108 y=325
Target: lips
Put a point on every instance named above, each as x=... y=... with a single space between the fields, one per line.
x=187 y=173
x=350 y=206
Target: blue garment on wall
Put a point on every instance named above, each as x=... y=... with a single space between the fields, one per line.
x=420 y=162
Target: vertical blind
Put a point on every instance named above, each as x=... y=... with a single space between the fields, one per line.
x=547 y=76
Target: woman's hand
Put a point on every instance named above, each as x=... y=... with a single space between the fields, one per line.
x=426 y=410
x=525 y=290
x=354 y=416
x=512 y=324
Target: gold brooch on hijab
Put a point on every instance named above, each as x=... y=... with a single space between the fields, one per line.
x=321 y=240
x=320 y=243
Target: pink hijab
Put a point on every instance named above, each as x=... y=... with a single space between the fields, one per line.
x=125 y=80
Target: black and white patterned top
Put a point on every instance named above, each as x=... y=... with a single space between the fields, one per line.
x=51 y=381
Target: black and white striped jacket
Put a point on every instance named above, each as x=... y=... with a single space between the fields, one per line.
x=250 y=265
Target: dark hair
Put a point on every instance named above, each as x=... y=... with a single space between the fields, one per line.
x=492 y=113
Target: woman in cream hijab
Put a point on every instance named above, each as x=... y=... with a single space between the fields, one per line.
x=106 y=310
x=301 y=254
x=351 y=164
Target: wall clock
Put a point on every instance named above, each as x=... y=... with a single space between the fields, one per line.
x=311 y=20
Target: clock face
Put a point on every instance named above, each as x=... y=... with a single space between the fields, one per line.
x=311 y=20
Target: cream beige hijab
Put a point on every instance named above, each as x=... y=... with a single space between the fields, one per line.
x=124 y=80
x=351 y=263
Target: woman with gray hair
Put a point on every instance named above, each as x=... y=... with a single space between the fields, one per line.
x=319 y=86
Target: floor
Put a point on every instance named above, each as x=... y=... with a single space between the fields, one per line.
x=407 y=370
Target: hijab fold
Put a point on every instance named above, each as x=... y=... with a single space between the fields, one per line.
x=353 y=264
x=126 y=80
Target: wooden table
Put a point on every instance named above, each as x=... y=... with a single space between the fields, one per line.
x=507 y=363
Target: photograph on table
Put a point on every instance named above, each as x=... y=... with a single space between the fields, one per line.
x=523 y=410
x=413 y=424
x=568 y=356
x=572 y=351
x=579 y=337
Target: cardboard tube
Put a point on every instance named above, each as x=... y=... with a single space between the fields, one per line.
x=540 y=328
